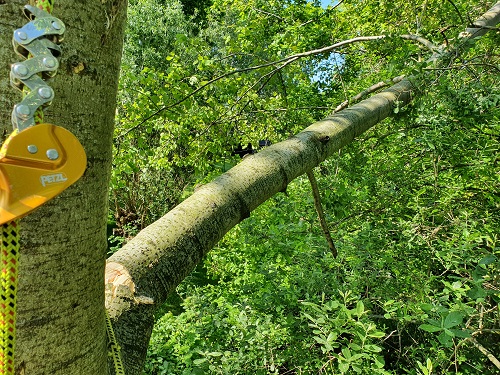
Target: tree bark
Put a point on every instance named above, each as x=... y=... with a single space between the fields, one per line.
x=61 y=316
x=142 y=274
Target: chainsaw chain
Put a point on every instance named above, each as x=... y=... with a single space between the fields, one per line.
x=37 y=41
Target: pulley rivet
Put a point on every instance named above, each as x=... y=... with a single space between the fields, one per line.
x=32 y=149
x=22 y=35
x=52 y=154
x=23 y=110
x=49 y=62
x=45 y=92
x=20 y=70
x=56 y=25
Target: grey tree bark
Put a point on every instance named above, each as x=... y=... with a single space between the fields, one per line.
x=141 y=275
x=61 y=316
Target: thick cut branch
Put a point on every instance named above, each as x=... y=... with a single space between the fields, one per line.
x=165 y=252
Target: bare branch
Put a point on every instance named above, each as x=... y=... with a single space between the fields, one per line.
x=486 y=352
x=333 y=47
x=366 y=92
x=289 y=109
x=421 y=40
x=321 y=214
x=268 y=13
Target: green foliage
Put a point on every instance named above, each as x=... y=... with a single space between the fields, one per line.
x=413 y=204
x=346 y=335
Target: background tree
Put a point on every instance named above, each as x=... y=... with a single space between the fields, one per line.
x=61 y=319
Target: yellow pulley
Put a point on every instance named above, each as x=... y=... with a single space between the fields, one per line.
x=36 y=165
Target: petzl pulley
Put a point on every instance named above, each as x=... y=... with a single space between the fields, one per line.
x=37 y=161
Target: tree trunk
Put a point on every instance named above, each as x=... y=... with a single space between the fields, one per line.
x=61 y=321
x=152 y=264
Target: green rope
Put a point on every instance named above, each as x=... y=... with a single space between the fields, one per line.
x=114 y=348
x=9 y=255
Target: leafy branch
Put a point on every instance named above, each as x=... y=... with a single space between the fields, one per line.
x=284 y=62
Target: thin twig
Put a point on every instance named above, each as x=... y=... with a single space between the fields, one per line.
x=421 y=40
x=486 y=352
x=321 y=214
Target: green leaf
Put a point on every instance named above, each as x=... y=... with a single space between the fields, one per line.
x=453 y=319
x=357 y=369
x=332 y=336
x=462 y=333
x=215 y=354
x=488 y=259
x=422 y=368
x=343 y=366
x=449 y=332
x=445 y=340
x=199 y=361
x=376 y=334
x=426 y=307
x=379 y=361
x=360 y=308
x=355 y=347
x=429 y=328
x=347 y=353
x=477 y=292
x=373 y=348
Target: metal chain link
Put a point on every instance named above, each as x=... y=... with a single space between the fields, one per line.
x=38 y=42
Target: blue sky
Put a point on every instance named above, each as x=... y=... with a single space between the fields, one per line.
x=325 y=3
x=331 y=62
